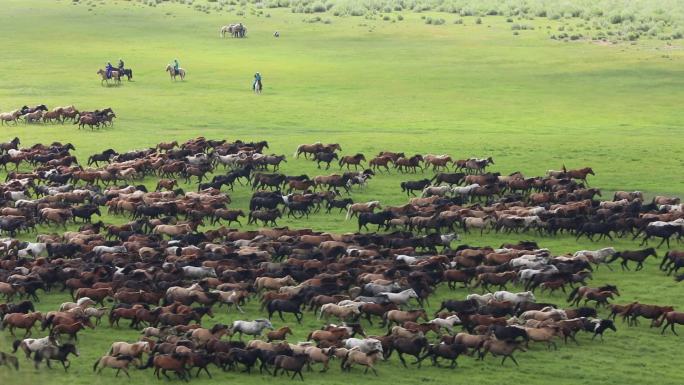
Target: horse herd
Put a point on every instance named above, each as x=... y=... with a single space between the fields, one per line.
x=36 y=114
x=164 y=276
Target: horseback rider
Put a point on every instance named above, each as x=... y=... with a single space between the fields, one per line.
x=257 y=81
x=121 y=64
x=176 y=66
x=109 y=69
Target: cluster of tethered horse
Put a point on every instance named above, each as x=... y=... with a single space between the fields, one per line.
x=36 y=114
x=164 y=276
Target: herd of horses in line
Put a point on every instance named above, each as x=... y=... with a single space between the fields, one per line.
x=159 y=264
x=36 y=114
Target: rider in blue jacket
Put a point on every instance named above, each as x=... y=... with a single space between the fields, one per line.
x=109 y=69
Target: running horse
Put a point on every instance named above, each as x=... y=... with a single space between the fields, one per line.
x=172 y=72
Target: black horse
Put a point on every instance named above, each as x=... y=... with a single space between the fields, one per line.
x=288 y=306
x=128 y=72
x=509 y=333
x=414 y=185
x=448 y=351
x=381 y=219
x=468 y=306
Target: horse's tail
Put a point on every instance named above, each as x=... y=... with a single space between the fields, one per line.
x=308 y=338
x=348 y=212
x=15 y=345
x=96 y=363
x=296 y=153
x=573 y=293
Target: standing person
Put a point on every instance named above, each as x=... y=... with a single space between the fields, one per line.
x=109 y=69
x=257 y=86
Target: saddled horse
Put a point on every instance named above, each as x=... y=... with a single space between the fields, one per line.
x=173 y=73
x=115 y=75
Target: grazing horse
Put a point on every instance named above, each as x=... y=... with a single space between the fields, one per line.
x=59 y=353
x=638 y=256
x=115 y=76
x=172 y=72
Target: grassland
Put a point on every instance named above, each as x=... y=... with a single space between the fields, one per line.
x=468 y=89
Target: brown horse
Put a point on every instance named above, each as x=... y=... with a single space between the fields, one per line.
x=72 y=330
x=278 y=335
x=580 y=174
x=307 y=149
x=352 y=160
x=672 y=318
x=638 y=256
x=173 y=362
x=438 y=162
x=115 y=76
x=399 y=316
x=652 y=312
x=21 y=321
x=381 y=161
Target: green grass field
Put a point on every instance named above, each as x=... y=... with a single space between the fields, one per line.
x=468 y=89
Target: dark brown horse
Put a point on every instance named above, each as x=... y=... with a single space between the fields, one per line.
x=352 y=160
x=638 y=256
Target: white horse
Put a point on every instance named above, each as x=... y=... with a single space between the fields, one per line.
x=515 y=298
x=464 y=191
x=33 y=250
x=401 y=298
x=481 y=299
x=365 y=345
x=597 y=256
x=198 y=272
x=31 y=345
x=447 y=323
x=252 y=328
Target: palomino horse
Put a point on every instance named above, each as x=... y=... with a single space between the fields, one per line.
x=173 y=73
x=115 y=76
